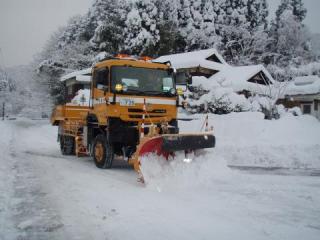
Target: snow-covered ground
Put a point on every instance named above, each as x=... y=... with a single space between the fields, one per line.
x=44 y=195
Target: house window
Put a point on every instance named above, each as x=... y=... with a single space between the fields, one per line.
x=199 y=71
x=306 y=109
x=260 y=78
x=214 y=58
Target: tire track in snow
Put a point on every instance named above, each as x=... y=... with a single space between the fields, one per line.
x=31 y=214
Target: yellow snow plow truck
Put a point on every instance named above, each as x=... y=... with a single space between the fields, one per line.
x=132 y=112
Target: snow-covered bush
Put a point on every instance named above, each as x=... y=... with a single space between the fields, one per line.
x=210 y=96
x=296 y=111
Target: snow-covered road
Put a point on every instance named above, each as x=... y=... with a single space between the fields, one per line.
x=44 y=195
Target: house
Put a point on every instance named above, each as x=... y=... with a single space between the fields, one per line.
x=247 y=80
x=303 y=92
x=198 y=63
x=75 y=81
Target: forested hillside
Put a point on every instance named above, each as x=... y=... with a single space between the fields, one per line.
x=239 y=29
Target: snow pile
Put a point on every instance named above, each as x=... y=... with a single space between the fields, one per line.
x=243 y=139
x=203 y=171
x=304 y=85
x=246 y=138
x=82 y=98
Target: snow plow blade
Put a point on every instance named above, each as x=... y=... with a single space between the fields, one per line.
x=170 y=143
x=165 y=145
x=180 y=142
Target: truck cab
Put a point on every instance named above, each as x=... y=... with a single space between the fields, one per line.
x=126 y=96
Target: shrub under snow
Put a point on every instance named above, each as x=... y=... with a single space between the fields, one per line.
x=208 y=95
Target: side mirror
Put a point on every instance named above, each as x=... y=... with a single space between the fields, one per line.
x=189 y=79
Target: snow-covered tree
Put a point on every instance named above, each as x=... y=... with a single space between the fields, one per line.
x=141 y=32
x=297 y=7
x=196 y=23
x=292 y=35
x=257 y=13
x=108 y=35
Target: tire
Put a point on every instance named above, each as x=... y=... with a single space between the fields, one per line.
x=67 y=145
x=102 y=152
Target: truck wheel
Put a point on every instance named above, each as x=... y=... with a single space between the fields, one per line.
x=102 y=152
x=67 y=145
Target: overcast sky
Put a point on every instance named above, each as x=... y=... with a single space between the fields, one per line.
x=25 y=25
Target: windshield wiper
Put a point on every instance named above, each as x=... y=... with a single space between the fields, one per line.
x=153 y=92
x=159 y=93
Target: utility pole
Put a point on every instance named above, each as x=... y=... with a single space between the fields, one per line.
x=3 y=110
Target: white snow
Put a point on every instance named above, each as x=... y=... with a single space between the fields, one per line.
x=304 y=85
x=237 y=78
x=194 y=59
x=44 y=195
x=81 y=75
x=82 y=98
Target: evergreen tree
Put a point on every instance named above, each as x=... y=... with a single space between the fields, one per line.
x=290 y=37
x=293 y=37
x=108 y=33
x=196 y=23
x=170 y=37
x=296 y=6
x=141 y=32
x=257 y=13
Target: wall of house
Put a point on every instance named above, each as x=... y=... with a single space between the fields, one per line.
x=308 y=104
x=310 y=107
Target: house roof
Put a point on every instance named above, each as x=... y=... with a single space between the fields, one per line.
x=237 y=78
x=229 y=76
x=80 y=76
x=194 y=59
x=304 y=86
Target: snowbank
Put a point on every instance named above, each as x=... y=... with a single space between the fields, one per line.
x=248 y=139
x=243 y=139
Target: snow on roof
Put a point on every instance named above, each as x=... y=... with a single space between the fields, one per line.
x=194 y=59
x=237 y=78
x=81 y=76
x=304 y=85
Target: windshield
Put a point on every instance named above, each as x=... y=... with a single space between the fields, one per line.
x=144 y=81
